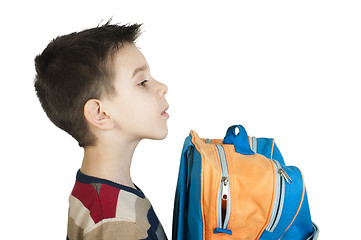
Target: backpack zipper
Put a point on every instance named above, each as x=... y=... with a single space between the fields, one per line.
x=224 y=190
x=277 y=208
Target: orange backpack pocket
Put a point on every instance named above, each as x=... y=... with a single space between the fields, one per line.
x=237 y=191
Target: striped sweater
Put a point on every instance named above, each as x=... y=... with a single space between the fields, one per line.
x=101 y=209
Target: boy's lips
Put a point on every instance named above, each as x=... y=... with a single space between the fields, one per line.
x=164 y=113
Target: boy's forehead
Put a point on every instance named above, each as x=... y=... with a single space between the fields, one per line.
x=129 y=60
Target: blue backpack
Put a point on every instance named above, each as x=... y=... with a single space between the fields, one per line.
x=239 y=188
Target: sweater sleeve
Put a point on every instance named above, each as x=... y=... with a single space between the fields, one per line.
x=111 y=229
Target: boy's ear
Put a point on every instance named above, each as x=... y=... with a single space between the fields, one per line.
x=95 y=115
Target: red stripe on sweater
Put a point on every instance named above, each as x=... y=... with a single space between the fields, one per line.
x=108 y=196
x=88 y=196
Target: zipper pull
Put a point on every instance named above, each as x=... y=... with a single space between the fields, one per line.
x=225 y=188
x=284 y=174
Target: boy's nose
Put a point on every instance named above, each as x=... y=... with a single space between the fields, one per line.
x=163 y=89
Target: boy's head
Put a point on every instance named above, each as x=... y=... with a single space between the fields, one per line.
x=81 y=83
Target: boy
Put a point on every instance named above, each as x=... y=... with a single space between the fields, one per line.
x=96 y=86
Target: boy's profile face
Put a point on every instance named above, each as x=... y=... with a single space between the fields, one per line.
x=140 y=101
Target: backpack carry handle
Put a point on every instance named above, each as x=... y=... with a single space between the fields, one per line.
x=240 y=141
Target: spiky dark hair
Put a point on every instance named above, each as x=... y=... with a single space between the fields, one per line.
x=77 y=67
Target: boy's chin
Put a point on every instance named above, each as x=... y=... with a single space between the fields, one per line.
x=159 y=135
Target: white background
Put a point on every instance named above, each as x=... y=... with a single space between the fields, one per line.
x=283 y=69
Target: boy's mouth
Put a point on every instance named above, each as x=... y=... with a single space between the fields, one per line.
x=164 y=113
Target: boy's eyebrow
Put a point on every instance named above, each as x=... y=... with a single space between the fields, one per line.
x=139 y=69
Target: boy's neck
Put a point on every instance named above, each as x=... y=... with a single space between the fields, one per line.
x=110 y=161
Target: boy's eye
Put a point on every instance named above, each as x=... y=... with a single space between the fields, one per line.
x=143 y=83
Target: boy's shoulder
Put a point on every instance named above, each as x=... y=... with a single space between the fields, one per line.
x=98 y=205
